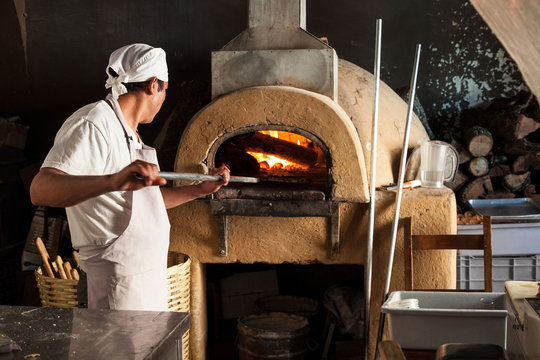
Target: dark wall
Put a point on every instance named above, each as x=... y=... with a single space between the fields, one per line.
x=68 y=43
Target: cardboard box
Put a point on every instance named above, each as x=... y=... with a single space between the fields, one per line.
x=240 y=291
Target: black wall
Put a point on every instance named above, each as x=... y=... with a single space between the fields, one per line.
x=54 y=53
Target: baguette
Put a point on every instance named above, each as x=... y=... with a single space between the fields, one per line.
x=44 y=256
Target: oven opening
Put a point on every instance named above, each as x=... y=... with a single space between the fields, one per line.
x=279 y=159
x=330 y=299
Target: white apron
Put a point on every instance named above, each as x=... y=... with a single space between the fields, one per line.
x=131 y=273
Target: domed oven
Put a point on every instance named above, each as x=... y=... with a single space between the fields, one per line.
x=287 y=111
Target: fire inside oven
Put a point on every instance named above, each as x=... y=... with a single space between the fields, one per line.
x=280 y=159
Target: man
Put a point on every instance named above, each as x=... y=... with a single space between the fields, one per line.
x=99 y=169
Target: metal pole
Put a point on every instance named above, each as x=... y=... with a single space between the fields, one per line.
x=399 y=191
x=204 y=177
x=374 y=135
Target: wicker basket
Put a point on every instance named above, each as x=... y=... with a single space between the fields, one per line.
x=53 y=292
x=178 y=290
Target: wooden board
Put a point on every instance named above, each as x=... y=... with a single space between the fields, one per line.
x=516 y=25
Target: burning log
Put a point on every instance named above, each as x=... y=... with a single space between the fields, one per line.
x=238 y=160
x=286 y=150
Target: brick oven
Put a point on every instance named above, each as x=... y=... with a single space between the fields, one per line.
x=281 y=92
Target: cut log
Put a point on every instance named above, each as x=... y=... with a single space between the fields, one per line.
x=523 y=163
x=476 y=189
x=524 y=126
x=286 y=150
x=499 y=170
x=520 y=101
x=520 y=147
x=501 y=116
x=529 y=190
x=479 y=166
x=533 y=110
x=500 y=195
x=534 y=159
x=459 y=180
x=517 y=182
x=463 y=154
x=478 y=141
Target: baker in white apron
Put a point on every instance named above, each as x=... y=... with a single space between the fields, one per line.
x=131 y=273
x=117 y=221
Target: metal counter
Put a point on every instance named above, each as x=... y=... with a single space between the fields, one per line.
x=82 y=334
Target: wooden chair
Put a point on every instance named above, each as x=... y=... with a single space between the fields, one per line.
x=448 y=242
x=390 y=350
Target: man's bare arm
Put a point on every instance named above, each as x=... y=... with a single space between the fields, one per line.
x=52 y=187
x=179 y=195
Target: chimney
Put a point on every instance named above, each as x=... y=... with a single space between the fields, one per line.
x=275 y=49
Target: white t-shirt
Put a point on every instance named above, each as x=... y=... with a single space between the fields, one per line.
x=92 y=142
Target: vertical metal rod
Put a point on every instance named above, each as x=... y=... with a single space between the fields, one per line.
x=399 y=195
x=374 y=135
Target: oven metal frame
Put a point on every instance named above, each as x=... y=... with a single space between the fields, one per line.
x=226 y=208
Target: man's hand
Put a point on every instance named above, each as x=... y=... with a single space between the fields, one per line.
x=137 y=175
x=210 y=187
x=180 y=195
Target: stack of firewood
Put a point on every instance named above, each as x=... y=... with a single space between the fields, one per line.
x=499 y=150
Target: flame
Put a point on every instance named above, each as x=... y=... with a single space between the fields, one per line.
x=268 y=161
x=271 y=161
x=287 y=136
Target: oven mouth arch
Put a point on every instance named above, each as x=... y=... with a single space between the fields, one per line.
x=225 y=138
x=279 y=105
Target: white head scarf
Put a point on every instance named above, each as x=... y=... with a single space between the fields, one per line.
x=135 y=63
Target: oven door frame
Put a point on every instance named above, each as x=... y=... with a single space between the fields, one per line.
x=223 y=209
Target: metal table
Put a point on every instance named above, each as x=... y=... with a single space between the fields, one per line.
x=93 y=334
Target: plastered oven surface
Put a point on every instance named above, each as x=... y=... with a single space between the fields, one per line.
x=304 y=240
x=344 y=127
x=279 y=106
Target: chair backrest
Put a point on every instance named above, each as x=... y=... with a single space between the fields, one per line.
x=447 y=242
